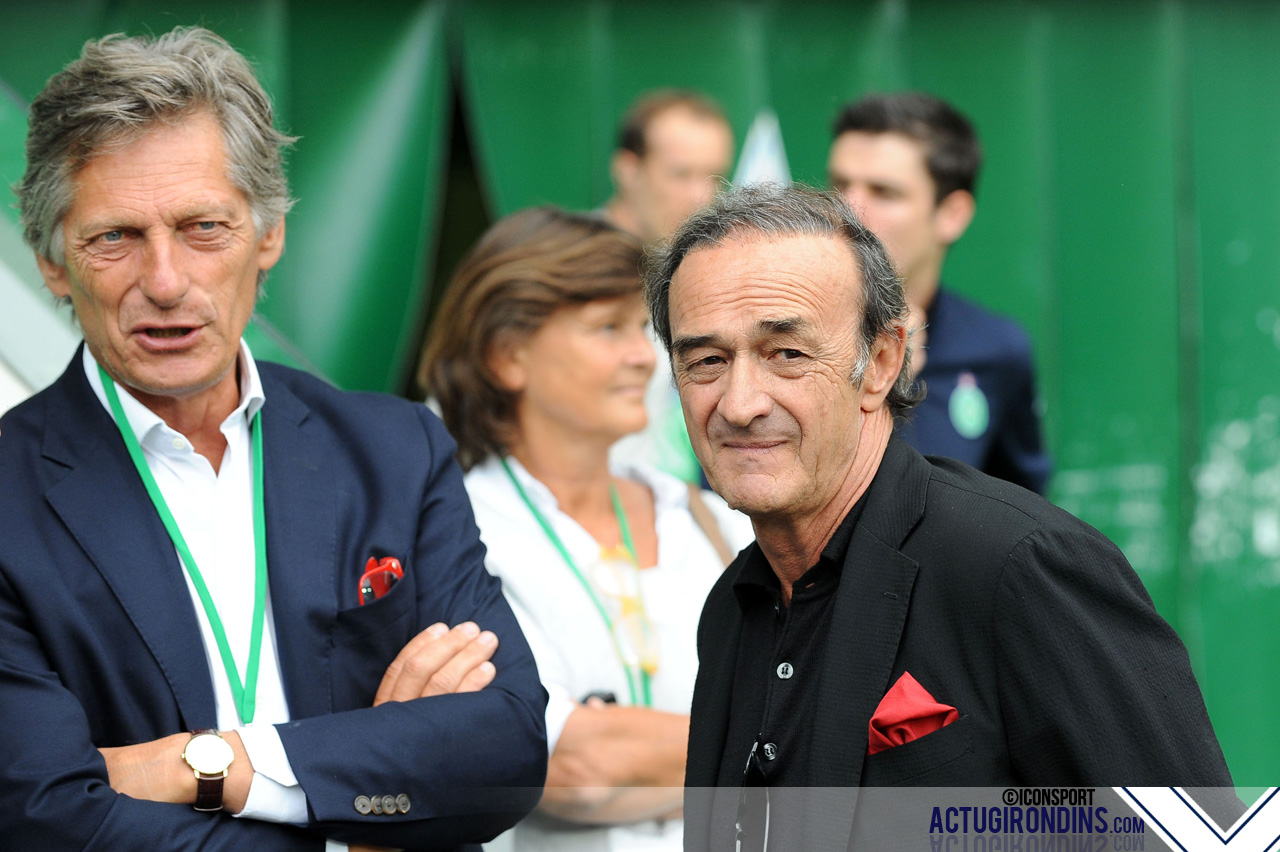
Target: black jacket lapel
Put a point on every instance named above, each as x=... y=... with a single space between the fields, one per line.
x=866 y=628
x=719 y=634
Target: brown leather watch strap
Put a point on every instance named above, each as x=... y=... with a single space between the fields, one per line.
x=208 y=787
x=209 y=792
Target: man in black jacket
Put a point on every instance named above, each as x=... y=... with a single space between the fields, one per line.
x=900 y=620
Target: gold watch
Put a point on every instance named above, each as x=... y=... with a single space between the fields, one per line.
x=208 y=755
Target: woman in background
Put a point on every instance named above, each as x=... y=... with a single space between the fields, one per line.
x=539 y=361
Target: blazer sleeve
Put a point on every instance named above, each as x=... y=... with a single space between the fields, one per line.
x=471 y=765
x=1095 y=687
x=54 y=793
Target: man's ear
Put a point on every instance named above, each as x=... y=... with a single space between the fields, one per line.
x=883 y=368
x=271 y=246
x=623 y=168
x=954 y=214
x=507 y=364
x=55 y=276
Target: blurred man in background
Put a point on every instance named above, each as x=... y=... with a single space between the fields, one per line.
x=908 y=165
x=674 y=147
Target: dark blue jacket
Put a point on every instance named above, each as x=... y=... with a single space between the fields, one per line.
x=987 y=358
x=100 y=644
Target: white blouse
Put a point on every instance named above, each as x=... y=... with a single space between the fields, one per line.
x=572 y=644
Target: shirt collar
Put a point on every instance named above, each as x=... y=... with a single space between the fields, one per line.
x=756 y=575
x=146 y=424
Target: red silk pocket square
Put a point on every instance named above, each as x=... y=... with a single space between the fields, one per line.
x=907 y=712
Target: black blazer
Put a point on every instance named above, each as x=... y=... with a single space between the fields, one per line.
x=1027 y=620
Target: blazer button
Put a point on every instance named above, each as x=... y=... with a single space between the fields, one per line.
x=363 y=805
x=376 y=803
x=402 y=802
x=389 y=805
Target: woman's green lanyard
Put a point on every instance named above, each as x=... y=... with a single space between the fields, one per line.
x=568 y=560
x=244 y=695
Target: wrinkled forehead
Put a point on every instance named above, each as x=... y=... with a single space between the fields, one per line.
x=750 y=272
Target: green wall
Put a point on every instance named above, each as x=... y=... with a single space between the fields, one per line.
x=1126 y=216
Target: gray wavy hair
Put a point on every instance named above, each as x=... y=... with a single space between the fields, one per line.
x=775 y=211
x=122 y=87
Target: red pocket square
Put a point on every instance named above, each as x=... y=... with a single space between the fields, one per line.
x=907 y=712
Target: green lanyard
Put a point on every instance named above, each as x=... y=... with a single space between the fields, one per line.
x=568 y=560
x=245 y=695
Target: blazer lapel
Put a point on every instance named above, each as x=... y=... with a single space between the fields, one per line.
x=301 y=517
x=105 y=506
x=866 y=628
x=705 y=802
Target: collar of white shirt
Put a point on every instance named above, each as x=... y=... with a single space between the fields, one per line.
x=151 y=431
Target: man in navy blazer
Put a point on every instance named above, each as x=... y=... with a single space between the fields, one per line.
x=168 y=491
x=908 y=165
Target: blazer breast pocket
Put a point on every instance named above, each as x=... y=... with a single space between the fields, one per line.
x=365 y=641
x=911 y=763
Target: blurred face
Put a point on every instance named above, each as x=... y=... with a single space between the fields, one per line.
x=765 y=335
x=162 y=262
x=884 y=178
x=685 y=156
x=583 y=374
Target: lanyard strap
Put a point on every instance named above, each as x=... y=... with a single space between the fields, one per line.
x=244 y=695
x=568 y=560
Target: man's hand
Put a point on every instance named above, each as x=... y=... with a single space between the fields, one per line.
x=439 y=661
x=156 y=772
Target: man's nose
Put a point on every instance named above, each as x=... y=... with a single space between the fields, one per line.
x=161 y=279
x=640 y=352
x=857 y=199
x=702 y=191
x=745 y=396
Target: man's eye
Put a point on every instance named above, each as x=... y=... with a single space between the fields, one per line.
x=112 y=236
x=206 y=226
x=790 y=354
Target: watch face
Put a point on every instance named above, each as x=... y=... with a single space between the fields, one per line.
x=208 y=754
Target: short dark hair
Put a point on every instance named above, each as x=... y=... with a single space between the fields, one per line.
x=952 y=152
x=635 y=123
x=524 y=268
x=777 y=211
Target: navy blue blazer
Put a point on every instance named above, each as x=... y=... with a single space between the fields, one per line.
x=100 y=644
x=970 y=346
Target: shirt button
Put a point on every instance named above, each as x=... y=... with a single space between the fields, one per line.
x=179 y=444
x=785 y=671
x=770 y=751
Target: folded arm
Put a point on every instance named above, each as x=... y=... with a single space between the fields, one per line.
x=617 y=764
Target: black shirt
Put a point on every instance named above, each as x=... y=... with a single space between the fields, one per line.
x=775 y=685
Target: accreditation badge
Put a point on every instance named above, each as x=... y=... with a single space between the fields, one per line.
x=970 y=413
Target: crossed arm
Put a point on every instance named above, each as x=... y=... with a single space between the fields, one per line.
x=438 y=661
x=617 y=764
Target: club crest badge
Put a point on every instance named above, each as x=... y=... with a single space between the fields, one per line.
x=970 y=413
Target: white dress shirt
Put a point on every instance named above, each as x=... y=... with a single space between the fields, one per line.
x=569 y=639
x=214 y=510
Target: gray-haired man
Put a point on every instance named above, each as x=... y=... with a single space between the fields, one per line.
x=224 y=584
x=899 y=620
